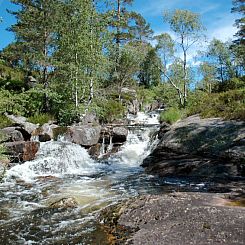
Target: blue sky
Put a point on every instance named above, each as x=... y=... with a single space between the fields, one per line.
x=215 y=15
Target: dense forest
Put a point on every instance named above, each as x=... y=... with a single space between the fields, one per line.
x=77 y=56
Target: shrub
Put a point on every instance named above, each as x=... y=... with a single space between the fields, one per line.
x=40 y=118
x=228 y=105
x=108 y=110
x=171 y=115
x=5 y=122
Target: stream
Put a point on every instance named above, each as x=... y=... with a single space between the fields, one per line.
x=64 y=170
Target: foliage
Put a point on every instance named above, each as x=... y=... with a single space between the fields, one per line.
x=5 y=122
x=40 y=118
x=170 y=116
x=150 y=74
x=188 y=28
x=109 y=110
x=228 y=105
x=67 y=115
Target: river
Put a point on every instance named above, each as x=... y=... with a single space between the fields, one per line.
x=64 y=170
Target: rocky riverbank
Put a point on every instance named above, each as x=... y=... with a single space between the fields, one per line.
x=176 y=219
x=201 y=148
x=210 y=150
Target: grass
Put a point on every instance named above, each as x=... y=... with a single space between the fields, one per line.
x=40 y=118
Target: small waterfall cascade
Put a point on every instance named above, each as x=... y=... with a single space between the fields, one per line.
x=55 y=158
x=65 y=170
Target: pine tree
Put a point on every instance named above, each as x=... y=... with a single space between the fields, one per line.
x=35 y=32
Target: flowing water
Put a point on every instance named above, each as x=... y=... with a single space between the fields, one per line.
x=65 y=170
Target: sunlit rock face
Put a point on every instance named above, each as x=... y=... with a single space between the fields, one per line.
x=83 y=135
x=209 y=147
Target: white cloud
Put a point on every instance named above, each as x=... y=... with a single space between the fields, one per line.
x=224 y=33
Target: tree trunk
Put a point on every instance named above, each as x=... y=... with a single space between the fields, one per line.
x=185 y=78
x=76 y=81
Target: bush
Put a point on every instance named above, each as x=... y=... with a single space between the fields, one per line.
x=170 y=116
x=108 y=110
x=5 y=122
x=228 y=105
x=40 y=118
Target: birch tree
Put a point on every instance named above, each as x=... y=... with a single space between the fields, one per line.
x=188 y=29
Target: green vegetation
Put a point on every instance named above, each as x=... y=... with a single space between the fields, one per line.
x=40 y=118
x=228 y=105
x=170 y=116
x=4 y=122
x=79 y=57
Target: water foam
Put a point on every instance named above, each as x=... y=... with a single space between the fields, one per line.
x=56 y=158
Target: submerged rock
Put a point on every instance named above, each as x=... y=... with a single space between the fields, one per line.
x=67 y=202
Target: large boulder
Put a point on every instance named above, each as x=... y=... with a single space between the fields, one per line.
x=199 y=147
x=210 y=137
x=22 y=122
x=22 y=151
x=86 y=135
x=88 y=118
x=176 y=218
x=119 y=134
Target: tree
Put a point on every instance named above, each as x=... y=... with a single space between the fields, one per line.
x=208 y=72
x=80 y=49
x=35 y=31
x=165 y=47
x=130 y=60
x=150 y=74
x=239 y=7
x=188 y=28
x=220 y=56
x=239 y=44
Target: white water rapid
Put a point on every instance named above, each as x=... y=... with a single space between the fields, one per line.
x=65 y=170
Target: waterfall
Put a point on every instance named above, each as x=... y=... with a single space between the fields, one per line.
x=56 y=158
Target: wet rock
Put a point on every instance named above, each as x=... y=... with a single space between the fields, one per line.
x=59 y=131
x=22 y=151
x=165 y=127
x=119 y=134
x=12 y=134
x=94 y=151
x=67 y=202
x=46 y=132
x=86 y=135
x=179 y=218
